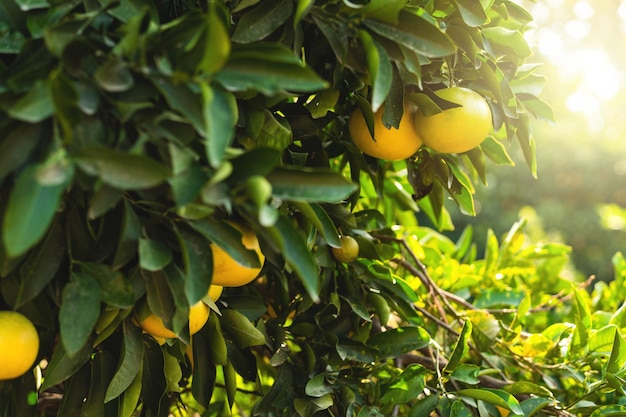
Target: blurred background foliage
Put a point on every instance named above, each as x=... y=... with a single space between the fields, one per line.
x=580 y=191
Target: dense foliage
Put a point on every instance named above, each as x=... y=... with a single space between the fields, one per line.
x=132 y=130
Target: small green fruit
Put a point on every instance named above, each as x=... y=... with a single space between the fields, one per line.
x=348 y=251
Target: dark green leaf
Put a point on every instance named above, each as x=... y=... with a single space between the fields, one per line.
x=62 y=366
x=292 y=245
x=385 y=10
x=460 y=348
x=467 y=374
x=198 y=263
x=203 y=380
x=42 y=264
x=395 y=342
x=18 y=144
x=262 y=20
x=240 y=330
x=122 y=170
x=406 y=386
x=310 y=185
x=35 y=106
x=415 y=33
x=154 y=255
x=220 y=116
x=79 y=311
x=32 y=204
x=114 y=76
x=380 y=69
x=320 y=219
x=269 y=69
x=129 y=364
x=130 y=231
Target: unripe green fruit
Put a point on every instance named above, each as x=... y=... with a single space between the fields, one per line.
x=348 y=251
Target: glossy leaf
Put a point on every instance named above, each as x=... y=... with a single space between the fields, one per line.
x=415 y=33
x=32 y=205
x=269 y=69
x=379 y=69
x=310 y=185
x=122 y=170
x=262 y=20
x=79 y=311
x=240 y=330
x=129 y=364
x=220 y=116
x=398 y=341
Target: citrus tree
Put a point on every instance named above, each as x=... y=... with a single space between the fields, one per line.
x=209 y=208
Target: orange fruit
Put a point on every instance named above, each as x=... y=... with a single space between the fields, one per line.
x=391 y=144
x=198 y=316
x=215 y=292
x=458 y=129
x=503 y=411
x=348 y=251
x=229 y=273
x=19 y=344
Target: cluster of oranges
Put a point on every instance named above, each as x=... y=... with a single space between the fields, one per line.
x=226 y=273
x=453 y=130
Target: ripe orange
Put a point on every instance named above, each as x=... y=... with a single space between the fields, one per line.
x=503 y=411
x=391 y=144
x=458 y=129
x=198 y=316
x=19 y=344
x=229 y=273
x=348 y=251
x=215 y=291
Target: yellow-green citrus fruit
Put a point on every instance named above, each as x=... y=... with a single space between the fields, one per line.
x=229 y=273
x=198 y=316
x=457 y=129
x=19 y=344
x=348 y=251
x=390 y=144
x=215 y=292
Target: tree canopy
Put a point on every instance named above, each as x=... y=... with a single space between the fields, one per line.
x=139 y=136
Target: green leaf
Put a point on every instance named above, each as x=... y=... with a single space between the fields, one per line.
x=609 y=411
x=493 y=396
x=17 y=145
x=495 y=150
x=320 y=219
x=228 y=238
x=467 y=374
x=385 y=10
x=268 y=68
x=203 y=379
x=62 y=366
x=114 y=76
x=406 y=386
x=182 y=99
x=32 y=204
x=198 y=263
x=130 y=397
x=128 y=237
x=262 y=20
x=398 y=341
x=216 y=343
x=415 y=33
x=122 y=170
x=240 y=330
x=154 y=255
x=26 y=5
x=460 y=348
x=507 y=41
x=130 y=363
x=471 y=11
x=312 y=185
x=35 y=106
x=102 y=368
x=292 y=244
x=79 y=312
x=42 y=264
x=380 y=69
x=220 y=116
x=115 y=288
